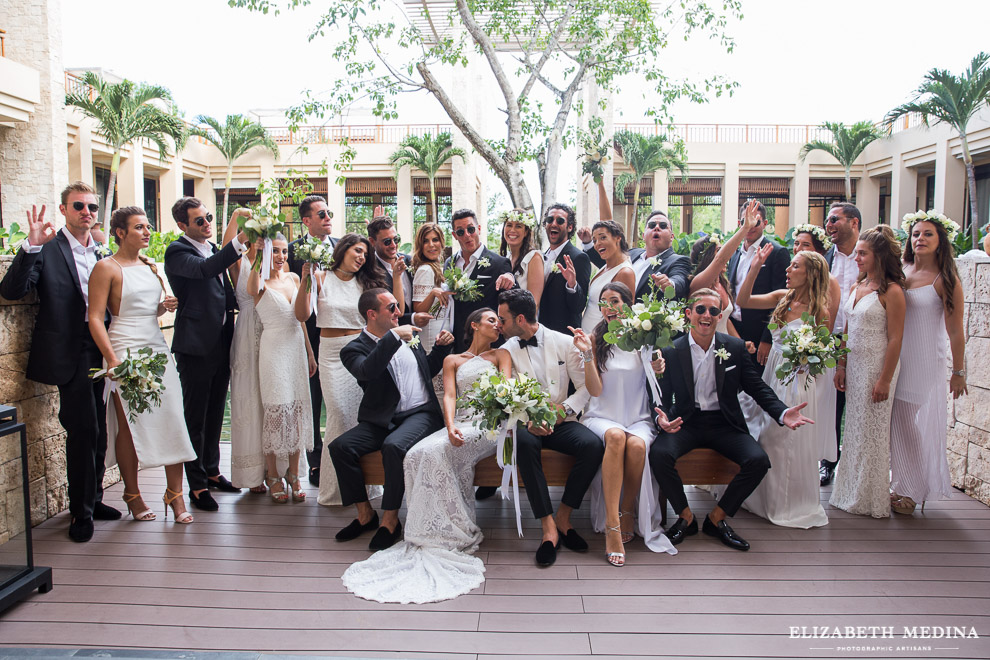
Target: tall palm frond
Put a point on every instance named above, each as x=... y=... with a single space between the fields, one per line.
x=846 y=145
x=427 y=153
x=646 y=154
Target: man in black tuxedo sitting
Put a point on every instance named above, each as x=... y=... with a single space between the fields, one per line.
x=566 y=272
x=318 y=220
x=700 y=408
x=398 y=410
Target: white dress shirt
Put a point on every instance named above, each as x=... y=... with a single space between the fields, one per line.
x=405 y=372
x=85 y=258
x=746 y=256
x=206 y=249
x=705 y=393
x=549 y=259
x=468 y=265
x=846 y=271
x=406 y=291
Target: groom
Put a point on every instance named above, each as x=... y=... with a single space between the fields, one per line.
x=700 y=408
x=398 y=410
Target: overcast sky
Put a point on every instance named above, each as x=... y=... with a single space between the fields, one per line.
x=796 y=62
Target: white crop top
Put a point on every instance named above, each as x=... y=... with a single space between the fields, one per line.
x=337 y=303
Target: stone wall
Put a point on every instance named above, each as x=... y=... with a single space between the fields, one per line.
x=969 y=416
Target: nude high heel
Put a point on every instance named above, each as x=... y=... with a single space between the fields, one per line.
x=169 y=498
x=145 y=515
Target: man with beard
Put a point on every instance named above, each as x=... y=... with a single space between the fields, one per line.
x=567 y=271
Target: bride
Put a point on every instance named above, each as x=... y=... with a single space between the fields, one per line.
x=435 y=561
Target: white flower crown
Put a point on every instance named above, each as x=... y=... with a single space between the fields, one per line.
x=815 y=231
x=522 y=217
x=715 y=238
x=951 y=227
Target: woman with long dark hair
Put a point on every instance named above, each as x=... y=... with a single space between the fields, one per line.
x=610 y=243
x=517 y=245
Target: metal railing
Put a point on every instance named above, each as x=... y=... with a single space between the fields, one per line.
x=753 y=133
x=354 y=134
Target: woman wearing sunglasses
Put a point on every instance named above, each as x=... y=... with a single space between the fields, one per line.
x=610 y=243
x=354 y=271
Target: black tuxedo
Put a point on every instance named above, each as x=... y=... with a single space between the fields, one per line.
x=379 y=426
x=315 y=389
x=559 y=307
x=407 y=285
x=772 y=276
x=204 y=328
x=62 y=353
x=675 y=266
x=723 y=430
x=486 y=278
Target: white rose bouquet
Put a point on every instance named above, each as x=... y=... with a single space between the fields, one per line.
x=594 y=149
x=811 y=349
x=261 y=226
x=463 y=287
x=650 y=324
x=138 y=379
x=315 y=252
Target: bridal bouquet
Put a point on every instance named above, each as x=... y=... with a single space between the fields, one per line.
x=651 y=324
x=463 y=287
x=315 y=252
x=138 y=380
x=262 y=226
x=811 y=349
x=594 y=149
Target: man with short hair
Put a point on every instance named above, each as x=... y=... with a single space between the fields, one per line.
x=57 y=265
x=204 y=328
x=566 y=272
x=385 y=241
x=318 y=220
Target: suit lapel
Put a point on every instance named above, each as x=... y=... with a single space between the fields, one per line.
x=733 y=265
x=70 y=261
x=550 y=368
x=687 y=370
x=719 y=370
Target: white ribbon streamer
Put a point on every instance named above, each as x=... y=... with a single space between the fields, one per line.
x=510 y=471
x=266 y=262
x=645 y=354
x=312 y=288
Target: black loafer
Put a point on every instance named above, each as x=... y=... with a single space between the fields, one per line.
x=484 y=492
x=546 y=555
x=725 y=534
x=384 y=538
x=826 y=472
x=103 y=511
x=356 y=529
x=81 y=529
x=204 y=502
x=572 y=540
x=681 y=529
x=222 y=483
x=314 y=477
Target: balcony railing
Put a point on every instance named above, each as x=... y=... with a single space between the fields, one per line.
x=354 y=134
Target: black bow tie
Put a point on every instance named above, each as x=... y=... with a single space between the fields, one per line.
x=528 y=342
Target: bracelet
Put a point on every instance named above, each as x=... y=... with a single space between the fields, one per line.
x=587 y=356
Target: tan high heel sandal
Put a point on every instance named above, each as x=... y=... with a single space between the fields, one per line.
x=145 y=515
x=169 y=498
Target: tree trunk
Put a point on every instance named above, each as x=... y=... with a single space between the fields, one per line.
x=433 y=201
x=226 y=196
x=634 y=230
x=111 y=188
x=849 y=193
x=974 y=227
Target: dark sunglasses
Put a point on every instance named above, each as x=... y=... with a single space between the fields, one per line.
x=391 y=307
x=832 y=219
x=323 y=215
x=202 y=221
x=79 y=206
x=656 y=224
x=396 y=239
x=701 y=309
x=470 y=229
x=554 y=220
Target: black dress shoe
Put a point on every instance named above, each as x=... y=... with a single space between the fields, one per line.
x=384 y=538
x=222 y=483
x=81 y=529
x=681 y=529
x=204 y=502
x=725 y=534
x=314 y=477
x=105 y=512
x=826 y=472
x=546 y=555
x=572 y=540
x=356 y=529
x=484 y=492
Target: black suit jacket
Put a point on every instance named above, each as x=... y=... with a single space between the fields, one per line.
x=406 y=275
x=295 y=266
x=61 y=325
x=205 y=296
x=486 y=277
x=675 y=266
x=830 y=256
x=367 y=360
x=772 y=276
x=559 y=307
x=733 y=375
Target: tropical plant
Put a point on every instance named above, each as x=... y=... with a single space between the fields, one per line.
x=953 y=100
x=846 y=145
x=234 y=138
x=127 y=112
x=646 y=154
x=10 y=239
x=427 y=153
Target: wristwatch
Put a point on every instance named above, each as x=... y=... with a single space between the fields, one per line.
x=568 y=411
x=961 y=373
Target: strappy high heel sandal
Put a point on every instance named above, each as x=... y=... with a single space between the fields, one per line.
x=278 y=496
x=615 y=558
x=905 y=506
x=145 y=515
x=169 y=498
x=627 y=536
x=292 y=479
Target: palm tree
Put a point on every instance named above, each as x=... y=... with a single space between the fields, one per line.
x=646 y=154
x=237 y=136
x=953 y=100
x=126 y=112
x=427 y=153
x=846 y=145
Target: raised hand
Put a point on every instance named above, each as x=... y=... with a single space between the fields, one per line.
x=793 y=418
x=398 y=266
x=505 y=281
x=569 y=272
x=582 y=341
x=40 y=231
x=379 y=211
x=444 y=338
x=666 y=425
x=751 y=217
x=761 y=256
x=584 y=233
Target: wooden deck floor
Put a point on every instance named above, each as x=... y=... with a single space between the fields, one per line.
x=261 y=577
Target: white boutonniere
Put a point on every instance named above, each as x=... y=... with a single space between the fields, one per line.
x=654 y=261
x=722 y=355
x=102 y=250
x=484 y=263
x=414 y=342
x=556 y=268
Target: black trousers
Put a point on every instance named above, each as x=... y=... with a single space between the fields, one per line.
x=394 y=441
x=204 y=379
x=840 y=407
x=571 y=438
x=709 y=430
x=316 y=398
x=83 y=415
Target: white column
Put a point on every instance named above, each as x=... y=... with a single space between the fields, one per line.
x=950 y=182
x=130 y=177
x=868 y=200
x=405 y=203
x=730 y=197
x=170 y=185
x=335 y=201
x=903 y=190
x=81 y=157
x=660 y=191
x=800 y=188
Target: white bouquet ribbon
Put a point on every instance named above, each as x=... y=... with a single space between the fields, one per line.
x=266 y=261
x=510 y=471
x=645 y=354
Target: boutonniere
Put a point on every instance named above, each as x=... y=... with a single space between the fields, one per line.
x=722 y=354
x=654 y=261
x=414 y=342
x=484 y=263
x=102 y=250
x=556 y=268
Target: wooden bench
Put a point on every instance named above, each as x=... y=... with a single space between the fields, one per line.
x=698 y=467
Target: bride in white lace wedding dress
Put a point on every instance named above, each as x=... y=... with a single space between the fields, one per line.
x=435 y=562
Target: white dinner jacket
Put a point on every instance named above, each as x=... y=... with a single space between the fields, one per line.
x=561 y=363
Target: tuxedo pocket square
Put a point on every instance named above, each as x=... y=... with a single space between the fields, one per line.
x=484 y=277
x=728 y=369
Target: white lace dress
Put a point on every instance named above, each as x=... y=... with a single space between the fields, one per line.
x=435 y=562
x=247 y=460
x=287 y=426
x=424 y=282
x=862 y=478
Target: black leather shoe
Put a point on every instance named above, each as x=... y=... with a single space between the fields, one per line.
x=204 y=502
x=81 y=529
x=222 y=483
x=104 y=512
x=484 y=492
x=356 y=529
x=572 y=540
x=546 y=555
x=384 y=538
x=725 y=534
x=314 y=477
x=681 y=529
x=826 y=472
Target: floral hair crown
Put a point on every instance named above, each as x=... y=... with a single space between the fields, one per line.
x=515 y=215
x=950 y=226
x=815 y=231
x=714 y=238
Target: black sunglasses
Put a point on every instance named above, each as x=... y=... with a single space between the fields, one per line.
x=323 y=215
x=701 y=309
x=554 y=220
x=79 y=206
x=832 y=219
x=391 y=307
x=654 y=224
x=205 y=219
x=396 y=239
x=470 y=229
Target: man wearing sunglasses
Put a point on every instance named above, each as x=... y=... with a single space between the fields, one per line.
x=57 y=264
x=318 y=220
x=385 y=241
x=204 y=328
x=566 y=270
x=706 y=370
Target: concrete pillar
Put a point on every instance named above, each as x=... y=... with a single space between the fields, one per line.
x=130 y=177
x=404 y=189
x=730 y=197
x=335 y=201
x=903 y=190
x=170 y=190
x=868 y=200
x=81 y=156
x=660 y=191
x=799 y=190
x=267 y=176
x=950 y=182
x=204 y=192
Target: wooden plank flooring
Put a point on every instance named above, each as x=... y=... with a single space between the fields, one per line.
x=261 y=577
